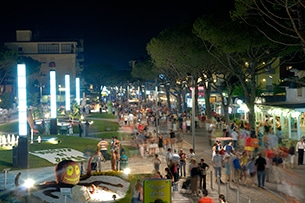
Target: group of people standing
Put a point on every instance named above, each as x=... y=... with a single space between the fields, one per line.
x=117 y=157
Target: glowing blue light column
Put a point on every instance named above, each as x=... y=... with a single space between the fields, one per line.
x=53 y=103
x=20 y=153
x=53 y=94
x=22 y=109
x=77 y=87
x=67 y=88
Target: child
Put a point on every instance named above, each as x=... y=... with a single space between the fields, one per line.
x=156 y=160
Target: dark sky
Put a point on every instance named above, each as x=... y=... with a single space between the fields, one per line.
x=114 y=33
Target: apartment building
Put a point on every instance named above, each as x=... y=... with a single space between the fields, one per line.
x=63 y=56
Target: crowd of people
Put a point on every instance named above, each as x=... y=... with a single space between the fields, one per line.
x=247 y=158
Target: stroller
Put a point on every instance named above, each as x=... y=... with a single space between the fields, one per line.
x=187 y=183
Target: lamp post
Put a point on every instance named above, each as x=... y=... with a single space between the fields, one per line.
x=193 y=109
x=40 y=86
x=157 y=113
x=193 y=113
x=59 y=91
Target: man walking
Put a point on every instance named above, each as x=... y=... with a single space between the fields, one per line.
x=182 y=163
x=217 y=163
x=300 y=147
x=203 y=172
x=260 y=164
x=205 y=198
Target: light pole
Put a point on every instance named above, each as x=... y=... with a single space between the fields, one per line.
x=157 y=113
x=193 y=112
x=193 y=108
x=40 y=86
x=59 y=91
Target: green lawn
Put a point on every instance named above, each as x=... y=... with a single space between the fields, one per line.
x=99 y=128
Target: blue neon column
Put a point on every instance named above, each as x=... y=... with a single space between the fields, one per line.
x=22 y=109
x=67 y=88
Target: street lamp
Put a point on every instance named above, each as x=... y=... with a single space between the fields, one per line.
x=157 y=113
x=40 y=86
x=193 y=110
x=59 y=91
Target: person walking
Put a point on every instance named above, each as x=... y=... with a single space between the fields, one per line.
x=194 y=173
x=222 y=199
x=157 y=162
x=300 y=147
x=160 y=143
x=96 y=161
x=168 y=156
x=203 y=172
x=87 y=124
x=205 y=198
x=103 y=145
x=70 y=128
x=80 y=129
x=182 y=163
x=260 y=164
x=291 y=155
x=217 y=163
x=137 y=195
x=172 y=136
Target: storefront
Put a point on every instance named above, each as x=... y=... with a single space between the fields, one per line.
x=289 y=118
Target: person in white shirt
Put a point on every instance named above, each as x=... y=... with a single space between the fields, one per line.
x=168 y=156
x=192 y=154
x=300 y=147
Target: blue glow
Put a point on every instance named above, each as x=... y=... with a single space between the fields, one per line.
x=53 y=94
x=67 y=88
x=22 y=109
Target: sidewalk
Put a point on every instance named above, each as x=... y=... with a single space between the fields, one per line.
x=286 y=191
x=203 y=150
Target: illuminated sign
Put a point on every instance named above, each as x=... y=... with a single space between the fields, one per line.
x=157 y=190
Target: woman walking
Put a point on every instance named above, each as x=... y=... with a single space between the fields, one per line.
x=137 y=195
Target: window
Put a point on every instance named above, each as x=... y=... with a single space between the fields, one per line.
x=48 y=48
x=20 y=50
x=300 y=91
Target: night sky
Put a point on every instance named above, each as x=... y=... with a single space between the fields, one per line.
x=114 y=33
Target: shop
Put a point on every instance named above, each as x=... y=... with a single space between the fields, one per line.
x=286 y=117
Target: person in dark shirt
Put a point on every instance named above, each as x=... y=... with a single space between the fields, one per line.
x=260 y=164
x=291 y=155
x=203 y=172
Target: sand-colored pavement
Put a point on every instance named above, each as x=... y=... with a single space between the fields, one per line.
x=288 y=191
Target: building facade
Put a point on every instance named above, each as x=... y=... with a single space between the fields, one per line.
x=63 y=56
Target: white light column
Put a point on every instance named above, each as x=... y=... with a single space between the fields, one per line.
x=67 y=90
x=22 y=106
x=20 y=153
x=53 y=94
x=77 y=87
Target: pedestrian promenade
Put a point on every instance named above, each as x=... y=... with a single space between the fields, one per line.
x=234 y=193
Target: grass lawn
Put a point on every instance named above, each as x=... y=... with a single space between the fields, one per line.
x=100 y=128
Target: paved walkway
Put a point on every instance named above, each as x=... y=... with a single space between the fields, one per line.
x=275 y=193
